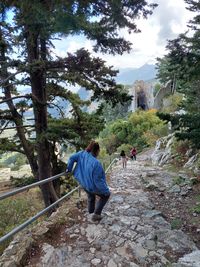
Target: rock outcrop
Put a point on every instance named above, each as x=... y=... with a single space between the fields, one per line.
x=164 y=154
x=163 y=150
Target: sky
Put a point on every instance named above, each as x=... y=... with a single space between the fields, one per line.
x=169 y=19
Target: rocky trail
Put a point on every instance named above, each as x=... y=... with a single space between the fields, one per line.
x=131 y=233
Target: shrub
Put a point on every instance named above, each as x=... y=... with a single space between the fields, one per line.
x=25 y=180
x=176 y=224
x=172 y=103
x=141 y=130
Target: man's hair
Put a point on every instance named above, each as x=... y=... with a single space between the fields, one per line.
x=93 y=148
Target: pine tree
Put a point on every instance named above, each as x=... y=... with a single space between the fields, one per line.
x=25 y=51
x=183 y=60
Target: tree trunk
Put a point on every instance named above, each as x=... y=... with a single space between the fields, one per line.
x=38 y=85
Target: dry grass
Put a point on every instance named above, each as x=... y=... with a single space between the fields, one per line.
x=17 y=209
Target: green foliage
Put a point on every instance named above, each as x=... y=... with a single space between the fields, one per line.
x=179 y=150
x=176 y=224
x=194 y=181
x=172 y=103
x=182 y=63
x=196 y=209
x=77 y=130
x=28 y=35
x=106 y=159
x=198 y=198
x=22 y=181
x=189 y=128
x=119 y=111
x=111 y=143
x=141 y=129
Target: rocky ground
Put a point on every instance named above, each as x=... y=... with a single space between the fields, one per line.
x=180 y=204
x=136 y=229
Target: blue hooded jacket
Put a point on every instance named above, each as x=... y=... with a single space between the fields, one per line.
x=89 y=172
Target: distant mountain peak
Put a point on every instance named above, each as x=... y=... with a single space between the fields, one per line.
x=130 y=75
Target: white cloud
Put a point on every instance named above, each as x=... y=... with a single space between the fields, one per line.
x=168 y=20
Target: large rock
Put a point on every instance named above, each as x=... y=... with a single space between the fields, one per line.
x=190 y=163
x=162 y=153
x=189 y=260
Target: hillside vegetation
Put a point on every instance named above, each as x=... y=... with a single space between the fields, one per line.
x=141 y=129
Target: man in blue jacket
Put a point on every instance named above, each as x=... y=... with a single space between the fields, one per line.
x=90 y=174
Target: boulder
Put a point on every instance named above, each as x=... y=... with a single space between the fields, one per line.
x=190 y=163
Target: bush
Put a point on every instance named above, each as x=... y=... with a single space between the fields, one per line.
x=141 y=130
x=172 y=103
x=179 y=149
x=25 y=180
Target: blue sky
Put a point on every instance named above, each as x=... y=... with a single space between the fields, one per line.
x=168 y=20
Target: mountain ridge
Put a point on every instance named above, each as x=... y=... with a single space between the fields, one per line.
x=128 y=76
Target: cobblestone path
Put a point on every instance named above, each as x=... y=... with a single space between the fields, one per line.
x=132 y=233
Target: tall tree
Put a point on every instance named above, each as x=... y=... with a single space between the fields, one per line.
x=25 y=47
x=183 y=60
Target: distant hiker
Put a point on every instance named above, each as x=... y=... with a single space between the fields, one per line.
x=124 y=158
x=133 y=153
x=90 y=174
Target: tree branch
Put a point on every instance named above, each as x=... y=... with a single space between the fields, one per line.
x=16 y=97
x=1 y=130
x=13 y=150
x=61 y=112
x=9 y=77
x=15 y=127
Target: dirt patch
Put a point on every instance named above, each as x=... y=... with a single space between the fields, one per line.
x=55 y=234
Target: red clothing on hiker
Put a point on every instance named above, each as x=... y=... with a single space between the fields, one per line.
x=133 y=151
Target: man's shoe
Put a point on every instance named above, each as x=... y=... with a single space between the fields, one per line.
x=96 y=217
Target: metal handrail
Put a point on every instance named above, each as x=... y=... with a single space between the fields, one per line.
x=32 y=219
x=112 y=162
x=24 y=188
